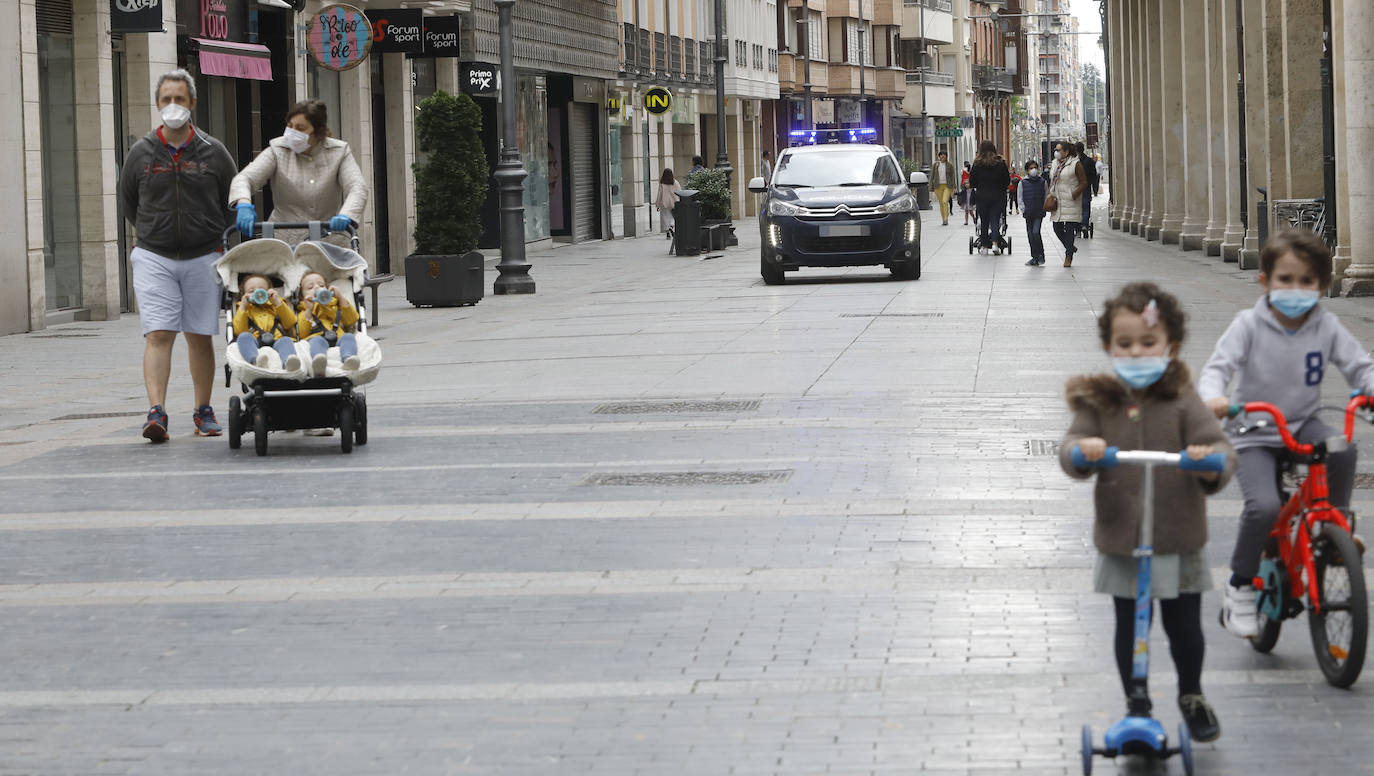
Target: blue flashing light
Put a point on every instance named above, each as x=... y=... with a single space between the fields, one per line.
x=837 y=135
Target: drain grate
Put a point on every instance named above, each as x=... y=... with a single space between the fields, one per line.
x=676 y=479
x=98 y=415
x=1042 y=446
x=61 y=336
x=1364 y=480
x=892 y=315
x=654 y=407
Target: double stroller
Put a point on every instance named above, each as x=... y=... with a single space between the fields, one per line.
x=273 y=397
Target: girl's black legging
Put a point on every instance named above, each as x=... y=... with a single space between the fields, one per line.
x=1182 y=618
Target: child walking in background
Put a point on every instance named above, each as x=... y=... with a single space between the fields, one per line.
x=1149 y=404
x=265 y=320
x=668 y=188
x=1280 y=349
x=326 y=319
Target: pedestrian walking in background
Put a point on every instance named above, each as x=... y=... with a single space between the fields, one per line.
x=942 y=179
x=1065 y=199
x=666 y=198
x=173 y=186
x=1090 y=169
x=314 y=177
x=697 y=164
x=965 y=194
x=766 y=166
x=1031 y=201
x=989 y=180
x=1149 y=404
x=1012 y=201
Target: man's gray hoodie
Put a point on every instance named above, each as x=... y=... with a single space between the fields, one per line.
x=1282 y=367
x=177 y=203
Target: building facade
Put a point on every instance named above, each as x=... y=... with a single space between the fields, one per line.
x=1061 y=101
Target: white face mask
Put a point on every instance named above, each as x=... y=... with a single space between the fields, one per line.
x=175 y=116
x=1057 y=154
x=295 y=140
x=1034 y=172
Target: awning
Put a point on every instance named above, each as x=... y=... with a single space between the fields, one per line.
x=235 y=60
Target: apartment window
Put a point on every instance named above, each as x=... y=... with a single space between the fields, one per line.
x=660 y=52
x=631 y=38
x=741 y=53
x=813 y=35
x=852 y=42
x=758 y=57
x=772 y=60
x=675 y=56
x=690 y=49
x=708 y=62
x=645 y=49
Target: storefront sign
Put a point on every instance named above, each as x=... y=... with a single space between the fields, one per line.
x=214 y=19
x=210 y=19
x=848 y=112
x=479 y=78
x=135 y=15
x=397 y=30
x=339 y=37
x=658 y=100
x=441 y=36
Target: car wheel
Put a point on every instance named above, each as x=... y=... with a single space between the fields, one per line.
x=772 y=274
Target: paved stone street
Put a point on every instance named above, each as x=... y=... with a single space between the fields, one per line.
x=658 y=518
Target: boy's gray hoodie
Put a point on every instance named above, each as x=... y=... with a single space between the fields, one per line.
x=1282 y=367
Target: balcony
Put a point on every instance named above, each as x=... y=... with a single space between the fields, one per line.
x=881 y=82
x=938 y=89
x=939 y=21
x=887 y=13
x=987 y=78
x=791 y=70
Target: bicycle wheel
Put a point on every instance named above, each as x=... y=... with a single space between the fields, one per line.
x=1339 y=631
x=1271 y=601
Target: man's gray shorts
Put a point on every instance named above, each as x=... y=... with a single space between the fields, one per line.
x=176 y=294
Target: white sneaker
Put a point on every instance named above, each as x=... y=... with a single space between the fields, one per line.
x=1238 y=612
x=318 y=364
x=352 y=363
x=292 y=363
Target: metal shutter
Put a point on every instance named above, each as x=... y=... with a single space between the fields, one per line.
x=54 y=16
x=585 y=221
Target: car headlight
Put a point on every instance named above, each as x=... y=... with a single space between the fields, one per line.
x=903 y=204
x=913 y=230
x=775 y=235
x=777 y=207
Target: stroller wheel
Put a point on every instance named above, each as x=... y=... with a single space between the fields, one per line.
x=346 y=427
x=359 y=419
x=970 y=246
x=235 y=423
x=260 y=430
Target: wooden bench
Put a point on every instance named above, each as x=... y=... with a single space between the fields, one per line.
x=372 y=282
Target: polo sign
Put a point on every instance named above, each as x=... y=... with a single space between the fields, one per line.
x=339 y=37
x=135 y=15
x=658 y=100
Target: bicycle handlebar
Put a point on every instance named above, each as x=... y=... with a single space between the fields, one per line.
x=1281 y=423
x=1114 y=456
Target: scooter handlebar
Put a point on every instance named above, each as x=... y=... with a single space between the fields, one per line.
x=1115 y=456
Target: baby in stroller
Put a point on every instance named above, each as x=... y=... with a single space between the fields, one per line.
x=264 y=320
x=327 y=319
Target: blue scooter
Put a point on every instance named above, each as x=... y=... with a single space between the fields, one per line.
x=1138 y=732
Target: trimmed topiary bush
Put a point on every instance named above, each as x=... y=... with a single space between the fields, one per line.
x=714 y=193
x=451 y=182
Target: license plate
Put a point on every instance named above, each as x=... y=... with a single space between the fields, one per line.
x=844 y=230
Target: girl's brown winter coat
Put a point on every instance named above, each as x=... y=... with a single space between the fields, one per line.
x=1168 y=416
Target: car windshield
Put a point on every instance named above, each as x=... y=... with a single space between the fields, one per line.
x=860 y=166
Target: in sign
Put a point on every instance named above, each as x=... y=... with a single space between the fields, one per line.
x=658 y=100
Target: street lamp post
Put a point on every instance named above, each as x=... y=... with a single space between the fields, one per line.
x=515 y=272
x=925 y=128
x=804 y=45
x=722 y=157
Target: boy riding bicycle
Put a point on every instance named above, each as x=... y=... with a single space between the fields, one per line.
x=1280 y=348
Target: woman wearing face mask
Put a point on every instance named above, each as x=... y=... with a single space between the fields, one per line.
x=313 y=176
x=1067 y=186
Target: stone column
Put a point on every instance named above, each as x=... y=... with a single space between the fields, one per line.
x=95 y=153
x=1169 y=159
x=1340 y=256
x=400 y=154
x=35 y=286
x=15 y=175
x=1274 y=61
x=1357 y=18
x=1195 y=165
x=1143 y=112
x=147 y=56
x=1119 y=121
x=355 y=127
x=1302 y=93
x=1225 y=131
x=1256 y=121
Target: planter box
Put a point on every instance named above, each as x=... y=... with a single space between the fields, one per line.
x=444 y=281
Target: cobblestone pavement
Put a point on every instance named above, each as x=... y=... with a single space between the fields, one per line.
x=656 y=519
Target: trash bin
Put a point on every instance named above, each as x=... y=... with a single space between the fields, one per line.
x=921 y=183
x=687 y=223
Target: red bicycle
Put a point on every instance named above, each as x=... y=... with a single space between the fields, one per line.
x=1312 y=561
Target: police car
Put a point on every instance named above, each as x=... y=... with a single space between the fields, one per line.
x=838 y=200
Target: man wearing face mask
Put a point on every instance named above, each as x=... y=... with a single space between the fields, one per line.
x=314 y=177
x=173 y=187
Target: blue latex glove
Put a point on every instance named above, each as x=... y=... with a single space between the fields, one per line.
x=340 y=223
x=247 y=216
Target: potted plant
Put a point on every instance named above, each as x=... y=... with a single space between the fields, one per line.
x=713 y=192
x=451 y=181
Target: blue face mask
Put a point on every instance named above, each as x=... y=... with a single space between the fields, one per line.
x=1141 y=372
x=1293 y=302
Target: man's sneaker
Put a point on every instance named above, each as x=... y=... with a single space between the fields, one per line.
x=206 y=425
x=1238 y=612
x=1198 y=716
x=155 y=429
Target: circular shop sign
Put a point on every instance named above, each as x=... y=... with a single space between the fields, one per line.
x=339 y=37
x=658 y=100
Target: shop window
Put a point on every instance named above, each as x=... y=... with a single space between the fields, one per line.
x=61 y=192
